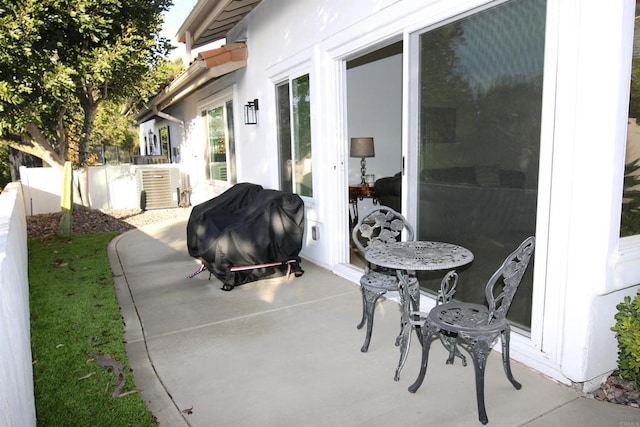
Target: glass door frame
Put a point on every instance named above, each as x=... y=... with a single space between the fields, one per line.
x=530 y=343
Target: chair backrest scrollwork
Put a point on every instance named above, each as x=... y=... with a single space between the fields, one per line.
x=511 y=272
x=380 y=226
x=447 y=288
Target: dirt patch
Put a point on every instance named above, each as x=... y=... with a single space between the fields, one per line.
x=94 y=221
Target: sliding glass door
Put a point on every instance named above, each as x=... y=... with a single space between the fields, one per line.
x=479 y=117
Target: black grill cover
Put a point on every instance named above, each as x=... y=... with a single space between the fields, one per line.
x=246 y=226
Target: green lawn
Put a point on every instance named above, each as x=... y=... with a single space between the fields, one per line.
x=74 y=313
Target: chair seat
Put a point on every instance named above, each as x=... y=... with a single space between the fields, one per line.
x=463 y=317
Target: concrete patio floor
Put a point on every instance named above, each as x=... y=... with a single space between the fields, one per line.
x=285 y=352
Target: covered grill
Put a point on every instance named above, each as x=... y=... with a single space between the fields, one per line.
x=247 y=233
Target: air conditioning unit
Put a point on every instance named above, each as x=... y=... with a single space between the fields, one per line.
x=219 y=171
x=158 y=188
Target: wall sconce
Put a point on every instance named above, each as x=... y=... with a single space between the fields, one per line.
x=251 y=112
x=362 y=147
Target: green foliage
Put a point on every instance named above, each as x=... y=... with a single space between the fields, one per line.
x=627 y=329
x=630 y=221
x=5 y=167
x=114 y=128
x=59 y=59
x=634 y=96
x=74 y=313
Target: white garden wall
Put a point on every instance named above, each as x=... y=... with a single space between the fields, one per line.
x=111 y=187
x=17 y=403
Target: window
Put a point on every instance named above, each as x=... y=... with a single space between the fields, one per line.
x=479 y=120
x=221 y=144
x=294 y=136
x=630 y=221
x=165 y=142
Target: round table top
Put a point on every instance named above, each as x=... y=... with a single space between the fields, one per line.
x=419 y=255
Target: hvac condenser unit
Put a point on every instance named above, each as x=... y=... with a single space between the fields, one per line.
x=158 y=188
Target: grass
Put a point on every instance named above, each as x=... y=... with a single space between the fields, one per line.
x=74 y=313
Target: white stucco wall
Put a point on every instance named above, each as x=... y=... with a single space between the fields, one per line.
x=17 y=403
x=582 y=267
x=42 y=190
x=110 y=187
x=588 y=158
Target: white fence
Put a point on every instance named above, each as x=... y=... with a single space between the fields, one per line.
x=110 y=187
x=17 y=403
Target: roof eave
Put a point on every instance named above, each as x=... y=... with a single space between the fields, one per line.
x=209 y=66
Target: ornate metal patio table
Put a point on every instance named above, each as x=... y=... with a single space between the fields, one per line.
x=409 y=256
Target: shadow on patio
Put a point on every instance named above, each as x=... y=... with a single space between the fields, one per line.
x=285 y=352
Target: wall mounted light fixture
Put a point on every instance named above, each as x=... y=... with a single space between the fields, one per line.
x=251 y=112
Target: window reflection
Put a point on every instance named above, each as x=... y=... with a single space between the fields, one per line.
x=294 y=136
x=630 y=220
x=221 y=144
x=479 y=126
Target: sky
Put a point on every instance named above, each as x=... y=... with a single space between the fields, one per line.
x=173 y=18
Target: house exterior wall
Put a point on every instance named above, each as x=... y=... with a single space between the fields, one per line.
x=583 y=269
x=193 y=140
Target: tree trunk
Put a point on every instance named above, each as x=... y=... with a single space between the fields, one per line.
x=82 y=185
x=66 y=203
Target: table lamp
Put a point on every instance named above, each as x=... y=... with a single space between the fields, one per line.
x=362 y=147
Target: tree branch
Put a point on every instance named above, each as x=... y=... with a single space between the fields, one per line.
x=20 y=144
x=47 y=152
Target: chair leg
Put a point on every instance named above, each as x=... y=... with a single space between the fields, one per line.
x=427 y=332
x=414 y=294
x=451 y=343
x=480 y=348
x=369 y=299
x=363 y=321
x=506 y=360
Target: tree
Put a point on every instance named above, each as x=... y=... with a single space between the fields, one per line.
x=5 y=169
x=115 y=125
x=61 y=59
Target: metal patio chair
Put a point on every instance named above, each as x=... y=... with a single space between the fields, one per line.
x=444 y=296
x=479 y=326
x=380 y=226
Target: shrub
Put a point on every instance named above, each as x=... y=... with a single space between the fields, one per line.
x=627 y=329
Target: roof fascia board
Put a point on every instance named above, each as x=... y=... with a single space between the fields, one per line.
x=194 y=70
x=188 y=86
x=213 y=15
x=203 y=14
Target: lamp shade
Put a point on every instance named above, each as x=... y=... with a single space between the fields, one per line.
x=362 y=147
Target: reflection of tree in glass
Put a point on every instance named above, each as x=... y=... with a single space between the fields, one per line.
x=634 y=97
x=445 y=96
x=508 y=122
x=630 y=218
x=481 y=87
x=302 y=116
x=216 y=130
x=302 y=134
x=284 y=137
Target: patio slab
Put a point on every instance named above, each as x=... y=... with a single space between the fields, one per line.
x=285 y=352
